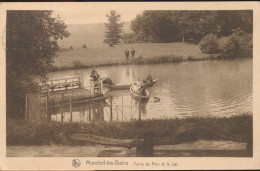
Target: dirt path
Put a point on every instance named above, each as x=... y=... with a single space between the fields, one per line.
x=198 y=148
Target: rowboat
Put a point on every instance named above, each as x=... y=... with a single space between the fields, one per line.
x=135 y=86
x=117 y=87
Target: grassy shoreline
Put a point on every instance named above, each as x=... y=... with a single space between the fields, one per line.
x=146 y=53
x=140 y=61
x=20 y=132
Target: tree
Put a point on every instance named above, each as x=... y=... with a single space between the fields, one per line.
x=156 y=25
x=113 y=32
x=31 y=45
x=172 y=26
x=228 y=20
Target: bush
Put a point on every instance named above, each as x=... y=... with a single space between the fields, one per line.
x=71 y=47
x=209 y=44
x=239 y=44
x=77 y=64
x=229 y=47
x=84 y=46
x=245 y=42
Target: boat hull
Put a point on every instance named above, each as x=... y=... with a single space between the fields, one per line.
x=138 y=96
x=117 y=87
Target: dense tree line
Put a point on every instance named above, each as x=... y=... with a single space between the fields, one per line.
x=174 y=26
x=31 y=45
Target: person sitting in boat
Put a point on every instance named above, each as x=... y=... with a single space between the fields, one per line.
x=149 y=78
x=139 y=87
x=142 y=90
x=108 y=81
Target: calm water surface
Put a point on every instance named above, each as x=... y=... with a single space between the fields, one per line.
x=203 y=88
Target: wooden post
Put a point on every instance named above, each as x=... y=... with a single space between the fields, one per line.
x=47 y=104
x=81 y=80
x=249 y=148
x=26 y=107
x=101 y=86
x=146 y=149
x=61 y=115
x=70 y=109
x=116 y=114
x=89 y=112
x=61 y=107
x=111 y=107
x=122 y=107
x=41 y=117
x=148 y=144
x=131 y=107
x=92 y=87
x=140 y=111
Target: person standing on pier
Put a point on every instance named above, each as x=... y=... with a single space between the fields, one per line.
x=94 y=75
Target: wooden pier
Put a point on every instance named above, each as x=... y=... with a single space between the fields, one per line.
x=60 y=97
x=59 y=93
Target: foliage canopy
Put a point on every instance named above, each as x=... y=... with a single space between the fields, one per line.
x=31 y=45
x=174 y=26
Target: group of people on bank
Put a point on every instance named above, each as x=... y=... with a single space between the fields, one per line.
x=127 y=54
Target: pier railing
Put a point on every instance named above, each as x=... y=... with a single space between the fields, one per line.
x=61 y=84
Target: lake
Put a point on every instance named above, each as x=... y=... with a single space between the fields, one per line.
x=219 y=88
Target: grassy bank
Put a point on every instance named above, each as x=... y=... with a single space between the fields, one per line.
x=25 y=133
x=137 y=61
x=146 y=53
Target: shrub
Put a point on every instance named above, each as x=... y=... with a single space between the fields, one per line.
x=229 y=47
x=239 y=44
x=84 y=46
x=245 y=42
x=209 y=44
x=71 y=47
x=77 y=64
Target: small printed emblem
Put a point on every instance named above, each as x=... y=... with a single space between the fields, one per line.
x=76 y=163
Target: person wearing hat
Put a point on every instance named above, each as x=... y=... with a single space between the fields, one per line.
x=94 y=75
x=149 y=78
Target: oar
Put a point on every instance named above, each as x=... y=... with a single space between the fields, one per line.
x=156 y=99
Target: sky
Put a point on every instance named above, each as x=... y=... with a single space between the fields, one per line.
x=93 y=16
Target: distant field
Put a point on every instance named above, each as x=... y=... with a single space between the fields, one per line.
x=104 y=54
x=92 y=35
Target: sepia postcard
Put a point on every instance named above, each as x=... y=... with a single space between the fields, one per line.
x=129 y=85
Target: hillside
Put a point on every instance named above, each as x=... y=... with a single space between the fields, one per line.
x=90 y=34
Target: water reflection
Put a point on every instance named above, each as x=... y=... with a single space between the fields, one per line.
x=88 y=111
